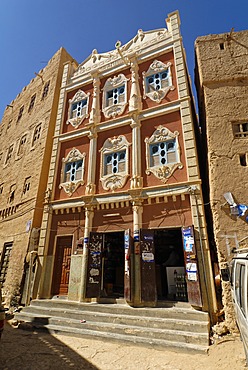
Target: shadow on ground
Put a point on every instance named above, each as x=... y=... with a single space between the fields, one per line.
x=31 y=350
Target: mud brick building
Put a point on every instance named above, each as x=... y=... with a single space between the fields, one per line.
x=26 y=136
x=222 y=86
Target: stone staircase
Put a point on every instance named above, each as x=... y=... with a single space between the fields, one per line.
x=175 y=325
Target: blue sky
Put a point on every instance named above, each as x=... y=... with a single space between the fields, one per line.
x=31 y=31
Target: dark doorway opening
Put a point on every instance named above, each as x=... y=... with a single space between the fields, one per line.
x=170 y=267
x=113 y=265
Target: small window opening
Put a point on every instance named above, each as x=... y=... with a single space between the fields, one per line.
x=243 y=159
x=222 y=46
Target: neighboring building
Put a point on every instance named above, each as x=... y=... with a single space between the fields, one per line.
x=124 y=180
x=26 y=137
x=222 y=86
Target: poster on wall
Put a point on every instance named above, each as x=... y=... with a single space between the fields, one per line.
x=191 y=265
x=127 y=278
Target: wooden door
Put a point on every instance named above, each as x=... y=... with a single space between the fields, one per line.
x=62 y=265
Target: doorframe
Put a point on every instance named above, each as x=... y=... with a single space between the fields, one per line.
x=54 y=254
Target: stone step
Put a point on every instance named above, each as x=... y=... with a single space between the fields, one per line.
x=185 y=311
x=116 y=318
x=177 y=326
x=123 y=329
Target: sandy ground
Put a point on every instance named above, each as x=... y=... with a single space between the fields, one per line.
x=21 y=350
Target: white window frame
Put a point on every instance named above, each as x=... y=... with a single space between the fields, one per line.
x=114 y=180
x=162 y=171
x=73 y=156
x=158 y=91
x=82 y=112
x=117 y=106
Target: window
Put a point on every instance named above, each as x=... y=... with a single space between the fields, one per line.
x=1 y=156
x=72 y=171
x=222 y=46
x=9 y=124
x=114 y=163
x=9 y=153
x=31 y=105
x=37 y=133
x=22 y=144
x=26 y=186
x=157 y=81
x=45 y=90
x=162 y=153
x=78 y=108
x=240 y=129
x=1 y=188
x=12 y=193
x=20 y=113
x=114 y=96
x=243 y=159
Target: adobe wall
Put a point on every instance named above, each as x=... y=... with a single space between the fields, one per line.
x=222 y=92
x=20 y=207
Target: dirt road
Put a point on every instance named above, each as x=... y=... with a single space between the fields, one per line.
x=28 y=350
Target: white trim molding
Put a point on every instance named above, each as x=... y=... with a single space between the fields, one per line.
x=82 y=112
x=115 y=146
x=73 y=157
x=165 y=137
x=113 y=107
x=162 y=83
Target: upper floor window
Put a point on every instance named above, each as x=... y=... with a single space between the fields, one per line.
x=240 y=129
x=78 y=108
x=9 y=153
x=157 y=81
x=114 y=163
x=162 y=153
x=12 y=193
x=26 y=186
x=72 y=171
x=45 y=90
x=114 y=96
x=37 y=133
x=22 y=144
x=20 y=113
x=9 y=124
x=31 y=105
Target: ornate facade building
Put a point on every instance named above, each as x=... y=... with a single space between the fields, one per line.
x=26 y=133
x=222 y=86
x=125 y=215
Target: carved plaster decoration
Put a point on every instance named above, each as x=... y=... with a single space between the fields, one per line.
x=159 y=89
x=116 y=105
x=75 y=118
x=135 y=102
x=139 y=43
x=95 y=110
x=112 y=181
x=163 y=171
x=71 y=186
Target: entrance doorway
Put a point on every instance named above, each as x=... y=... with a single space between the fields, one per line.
x=62 y=265
x=170 y=267
x=112 y=279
